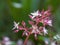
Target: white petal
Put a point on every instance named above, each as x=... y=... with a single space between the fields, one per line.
x=35 y=35
x=33 y=17
x=14 y=28
x=50 y=22
x=45 y=31
x=40 y=15
x=33 y=31
x=35 y=14
x=15 y=25
x=26 y=34
x=37 y=30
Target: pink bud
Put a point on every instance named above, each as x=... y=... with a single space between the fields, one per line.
x=42 y=12
x=30 y=16
x=23 y=23
x=31 y=22
x=47 y=12
x=20 y=28
x=16 y=31
x=38 y=11
x=25 y=33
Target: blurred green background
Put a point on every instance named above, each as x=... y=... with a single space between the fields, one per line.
x=18 y=10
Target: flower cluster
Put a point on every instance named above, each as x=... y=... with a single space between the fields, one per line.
x=35 y=29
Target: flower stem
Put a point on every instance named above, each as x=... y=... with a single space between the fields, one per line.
x=25 y=42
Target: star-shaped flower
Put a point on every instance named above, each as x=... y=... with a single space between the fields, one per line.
x=15 y=25
x=35 y=31
x=35 y=14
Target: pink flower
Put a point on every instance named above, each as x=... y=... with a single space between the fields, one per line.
x=23 y=23
x=47 y=12
x=35 y=31
x=48 y=22
x=31 y=22
x=37 y=18
x=23 y=27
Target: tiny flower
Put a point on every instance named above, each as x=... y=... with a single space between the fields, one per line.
x=48 y=22
x=25 y=33
x=34 y=27
x=30 y=16
x=37 y=19
x=35 y=31
x=23 y=23
x=45 y=12
x=45 y=31
x=31 y=22
x=16 y=31
x=20 y=28
x=15 y=25
x=35 y=14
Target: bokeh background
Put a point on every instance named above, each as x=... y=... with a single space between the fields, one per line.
x=18 y=10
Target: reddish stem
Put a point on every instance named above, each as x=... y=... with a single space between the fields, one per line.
x=25 y=42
